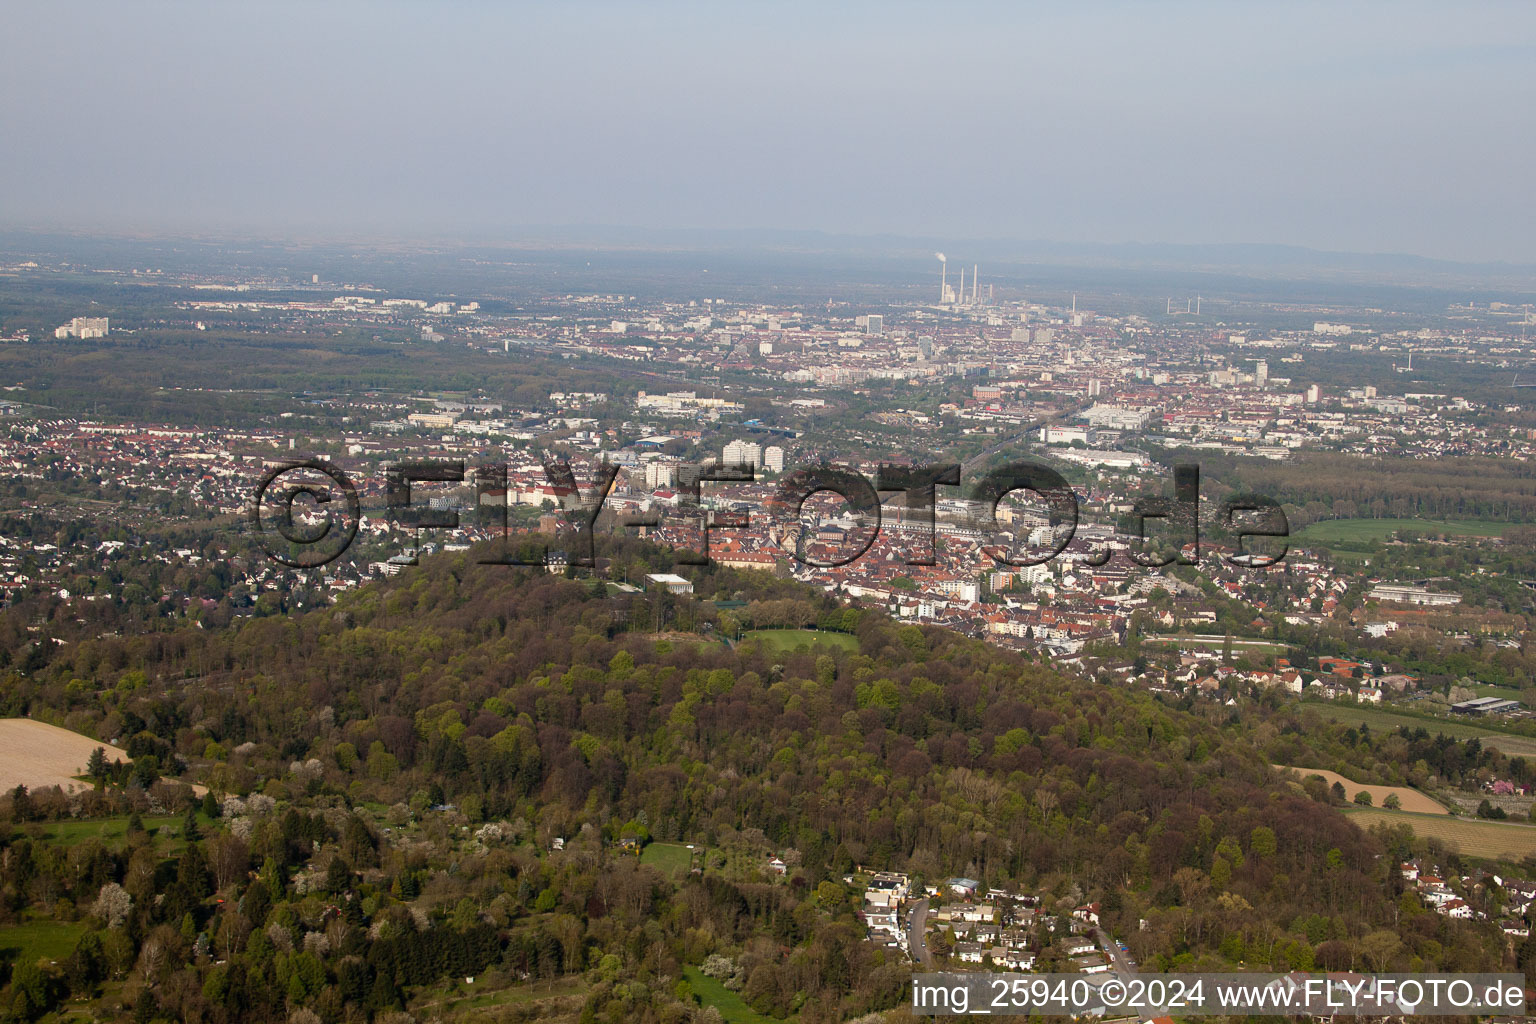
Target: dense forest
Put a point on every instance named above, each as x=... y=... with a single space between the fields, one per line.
x=387 y=778
x=1323 y=485
x=236 y=378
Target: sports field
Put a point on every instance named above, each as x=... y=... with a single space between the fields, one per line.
x=1335 y=531
x=1212 y=642
x=671 y=859
x=779 y=641
x=36 y=755
x=1495 y=840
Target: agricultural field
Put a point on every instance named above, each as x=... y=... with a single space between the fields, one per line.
x=779 y=641
x=1494 y=840
x=37 y=755
x=1388 y=721
x=730 y=1004
x=1513 y=804
x=1412 y=799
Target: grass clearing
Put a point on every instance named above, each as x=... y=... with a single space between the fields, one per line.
x=463 y=999
x=39 y=940
x=1495 y=690
x=1387 y=721
x=782 y=641
x=1493 y=840
x=736 y=863
x=73 y=833
x=672 y=859
x=1344 y=531
x=730 y=1004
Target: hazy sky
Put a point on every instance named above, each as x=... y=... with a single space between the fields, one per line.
x=1390 y=128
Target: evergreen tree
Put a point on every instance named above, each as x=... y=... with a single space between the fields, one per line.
x=21 y=804
x=338 y=877
x=96 y=766
x=383 y=995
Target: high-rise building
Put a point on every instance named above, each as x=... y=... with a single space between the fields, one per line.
x=1261 y=372
x=1314 y=395
x=660 y=474
x=874 y=324
x=739 y=453
x=773 y=459
x=84 y=327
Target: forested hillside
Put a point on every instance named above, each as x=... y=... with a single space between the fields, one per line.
x=388 y=777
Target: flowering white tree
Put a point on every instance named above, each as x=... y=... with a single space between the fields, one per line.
x=113 y=904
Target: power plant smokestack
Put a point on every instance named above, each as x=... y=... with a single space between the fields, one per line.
x=943 y=276
x=975 y=273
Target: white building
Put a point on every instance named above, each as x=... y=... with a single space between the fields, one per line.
x=432 y=420
x=773 y=459
x=84 y=327
x=739 y=453
x=670 y=582
x=1063 y=435
x=685 y=401
x=1116 y=417
x=1404 y=594
x=660 y=474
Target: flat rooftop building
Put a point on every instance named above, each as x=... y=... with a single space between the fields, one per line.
x=1403 y=594
x=1485 y=706
x=670 y=582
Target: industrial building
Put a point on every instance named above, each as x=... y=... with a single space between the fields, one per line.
x=1486 y=706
